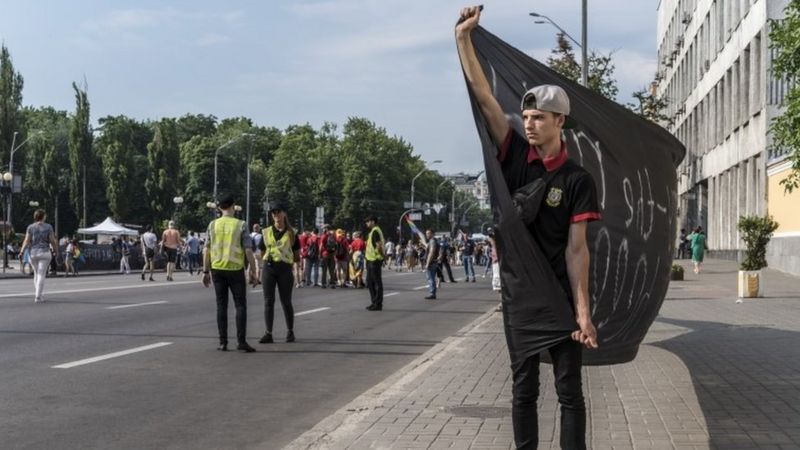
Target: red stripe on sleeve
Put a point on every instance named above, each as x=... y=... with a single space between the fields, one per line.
x=502 y=152
x=589 y=216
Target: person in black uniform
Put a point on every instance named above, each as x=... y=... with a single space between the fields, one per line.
x=281 y=249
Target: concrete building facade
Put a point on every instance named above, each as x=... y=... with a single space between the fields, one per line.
x=714 y=69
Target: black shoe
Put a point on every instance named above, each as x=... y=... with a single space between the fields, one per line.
x=374 y=308
x=223 y=347
x=245 y=348
x=324 y=287
x=151 y=279
x=266 y=339
x=333 y=287
x=453 y=281
x=290 y=336
x=142 y=277
x=473 y=280
x=430 y=297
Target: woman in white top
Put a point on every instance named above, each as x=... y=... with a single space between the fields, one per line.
x=41 y=241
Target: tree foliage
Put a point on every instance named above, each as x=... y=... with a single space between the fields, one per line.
x=651 y=107
x=785 y=42
x=80 y=146
x=11 y=83
x=601 y=67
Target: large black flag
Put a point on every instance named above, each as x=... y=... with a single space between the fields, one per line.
x=633 y=162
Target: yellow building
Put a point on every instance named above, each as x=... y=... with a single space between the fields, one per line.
x=783 y=252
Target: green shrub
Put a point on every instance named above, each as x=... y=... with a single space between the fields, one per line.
x=676 y=268
x=756 y=233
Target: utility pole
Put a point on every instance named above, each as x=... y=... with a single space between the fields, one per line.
x=584 y=49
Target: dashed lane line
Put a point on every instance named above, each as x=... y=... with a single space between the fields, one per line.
x=115 y=288
x=311 y=311
x=95 y=359
x=137 y=304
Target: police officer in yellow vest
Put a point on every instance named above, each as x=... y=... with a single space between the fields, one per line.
x=281 y=250
x=374 y=257
x=228 y=247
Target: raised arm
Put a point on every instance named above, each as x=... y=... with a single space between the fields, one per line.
x=498 y=125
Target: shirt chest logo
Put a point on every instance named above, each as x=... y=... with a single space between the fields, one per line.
x=554 y=197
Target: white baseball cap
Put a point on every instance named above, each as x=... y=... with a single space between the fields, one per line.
x=548 y=97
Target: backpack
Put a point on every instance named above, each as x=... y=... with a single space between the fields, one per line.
x=312 y=250
x=330 y=244
x=341 y=251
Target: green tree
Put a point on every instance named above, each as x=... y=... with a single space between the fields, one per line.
x=122 y=144
x=290 y=174
x=11 y=83
x=651 y=107
x=785 y=42
x=47 y=168
x=163 y=166
x=80 y=148
x=601 y=67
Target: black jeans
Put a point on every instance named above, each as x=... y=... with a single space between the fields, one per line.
x=328 y=267
x=280 y=275
x=375 y=283
x=234 y=281
x=566 y=358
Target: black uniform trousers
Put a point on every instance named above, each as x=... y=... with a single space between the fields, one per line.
x=375 y=282
x=233 y=280
x=280 y=275
x=566 y=357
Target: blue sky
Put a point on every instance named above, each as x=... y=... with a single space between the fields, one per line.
x=288 y=62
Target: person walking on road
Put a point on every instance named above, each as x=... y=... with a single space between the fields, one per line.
x=258 y=244
x=560 y=231
x=170 y=242
x=69 y=259
x=40 y=240
x=149 y=244
x=281 y=250
x=374 y=257
x=432 y=253
x=125 y=251
x=193 y=253
x=698 y=246
x=467 y=255
x=228 y=248
x=445 y=252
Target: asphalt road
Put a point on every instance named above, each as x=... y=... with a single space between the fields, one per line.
x=67 y=381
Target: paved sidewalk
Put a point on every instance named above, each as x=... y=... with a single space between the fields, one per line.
x=711 y=374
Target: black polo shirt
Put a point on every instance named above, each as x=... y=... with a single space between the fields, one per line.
x=570 y=196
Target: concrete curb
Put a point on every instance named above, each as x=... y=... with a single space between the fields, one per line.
x=342 y=427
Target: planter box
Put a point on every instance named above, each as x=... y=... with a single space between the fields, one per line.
x=750 y=284
x=676 y=276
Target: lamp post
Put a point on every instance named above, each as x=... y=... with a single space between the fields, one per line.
x=11 y=167
x=437 y=200
x=5 y=190
x=582 y=45
x=417 y=176
x=178 y=202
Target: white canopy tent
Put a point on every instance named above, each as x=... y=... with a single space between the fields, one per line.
x=110 y=228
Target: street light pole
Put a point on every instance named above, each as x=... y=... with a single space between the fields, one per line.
x=249 y=158
x=584 y=38
x=11 y=167
x=417 y=176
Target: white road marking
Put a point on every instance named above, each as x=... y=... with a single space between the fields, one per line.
x=310 y=311
x=390 y=294
x=137 y=304
x=110 y=355
x=116 y=288
x=257 y=290
x=418 y=288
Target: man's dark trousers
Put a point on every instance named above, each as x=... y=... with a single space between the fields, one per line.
x=375 y=282
x=235 y=281
x=566 y=358
x=328 y=268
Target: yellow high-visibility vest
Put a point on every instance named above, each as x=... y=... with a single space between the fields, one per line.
x=279 y=250
x=372 y=253
x=225 y=243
